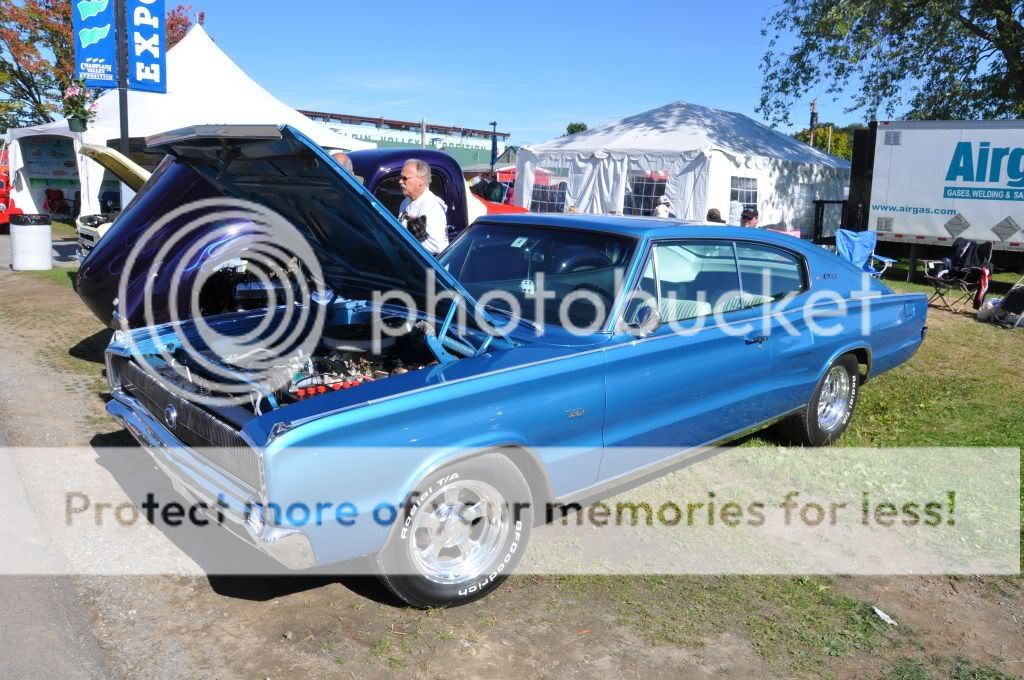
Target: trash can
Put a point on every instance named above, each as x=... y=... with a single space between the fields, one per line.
x=31 y=242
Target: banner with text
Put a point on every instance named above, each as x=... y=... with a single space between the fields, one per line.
x=147 y=43
x=95 y=42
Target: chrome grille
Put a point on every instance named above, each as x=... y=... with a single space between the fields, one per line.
x=211 y=438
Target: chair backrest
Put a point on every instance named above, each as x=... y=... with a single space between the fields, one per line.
x=985 y=252
x=968 y=254
x=856 y=247
x=54 y=194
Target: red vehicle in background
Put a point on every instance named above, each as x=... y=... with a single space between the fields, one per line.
x=7 y=207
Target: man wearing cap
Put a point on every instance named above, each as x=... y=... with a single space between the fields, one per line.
x=748 y=218
x=662 y=209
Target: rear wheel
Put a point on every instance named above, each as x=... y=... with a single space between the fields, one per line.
x=463 y=531
x=830 y=408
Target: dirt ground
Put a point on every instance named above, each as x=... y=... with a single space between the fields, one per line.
x=52 y=394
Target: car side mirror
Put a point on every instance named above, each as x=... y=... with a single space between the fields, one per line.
x=648 y=320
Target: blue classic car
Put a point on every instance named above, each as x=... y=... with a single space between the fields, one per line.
x=542 y=359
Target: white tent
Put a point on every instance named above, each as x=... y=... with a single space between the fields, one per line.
x=699 y=157
x=204 y=86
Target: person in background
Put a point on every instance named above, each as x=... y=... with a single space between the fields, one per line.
x=663 y=207
x=422 y=212
x=714 y=216
x=748 y=218
x=344 y=161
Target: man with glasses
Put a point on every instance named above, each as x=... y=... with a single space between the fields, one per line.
x=422 y=212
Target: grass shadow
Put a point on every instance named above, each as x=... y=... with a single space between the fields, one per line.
x=93 y=347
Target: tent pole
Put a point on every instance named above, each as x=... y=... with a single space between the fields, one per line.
x=122 y=70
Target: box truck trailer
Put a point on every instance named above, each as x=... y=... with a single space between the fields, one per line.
x=929 y=182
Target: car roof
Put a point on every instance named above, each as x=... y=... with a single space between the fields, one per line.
x=400 y=154
x=641 y=227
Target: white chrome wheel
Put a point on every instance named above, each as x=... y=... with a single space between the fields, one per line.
x=834 y=399
x=457 y=531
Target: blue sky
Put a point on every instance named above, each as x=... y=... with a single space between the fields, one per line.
x=532 y=66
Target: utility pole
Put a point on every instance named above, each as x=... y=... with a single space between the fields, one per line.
x=830 y=138
x=121 y=27
x=814 y=118
x=494 y=145
x=423 y=133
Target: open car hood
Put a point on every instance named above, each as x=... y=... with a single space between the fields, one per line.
x=361 y=247
x=119 y=165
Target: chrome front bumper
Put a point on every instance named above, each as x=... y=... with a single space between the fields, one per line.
x=204 y=484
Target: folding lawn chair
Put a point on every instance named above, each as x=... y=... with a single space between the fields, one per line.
x=858 y=247
x=961 y=277
x=1011 y=309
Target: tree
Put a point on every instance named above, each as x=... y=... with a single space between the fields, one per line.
x=842 y=139
x=573 y=128
x=37 y=57
x=179 y=21
x=943 y=58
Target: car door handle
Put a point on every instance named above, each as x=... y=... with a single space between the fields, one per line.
x=758 y=340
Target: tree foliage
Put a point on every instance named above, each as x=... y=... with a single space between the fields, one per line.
x=842 y=139
x=179 y=20
x=37 y=57
x=940 y=58
x=573 y=128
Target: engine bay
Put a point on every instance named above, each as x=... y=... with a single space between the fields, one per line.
x=346 y=357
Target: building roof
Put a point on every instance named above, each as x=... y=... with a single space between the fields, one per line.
x=408 y=125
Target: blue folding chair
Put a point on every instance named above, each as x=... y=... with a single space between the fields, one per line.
x=858 y=247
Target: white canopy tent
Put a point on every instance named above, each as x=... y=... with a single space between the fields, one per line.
x=204 y=86
x=701 y=157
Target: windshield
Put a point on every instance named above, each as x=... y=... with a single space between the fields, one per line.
x=544 y=275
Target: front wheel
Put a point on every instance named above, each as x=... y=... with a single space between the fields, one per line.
x=463 y=531
x=830 y=408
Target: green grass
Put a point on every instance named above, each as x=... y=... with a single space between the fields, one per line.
x=966 y=669
x=794 y=623
x=907 y=669
x=958 y=668
x=60 y=276
x=64 y=230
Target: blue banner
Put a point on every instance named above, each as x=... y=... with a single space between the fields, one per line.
x=979 y=194
x=147 y=45
x=95 y=42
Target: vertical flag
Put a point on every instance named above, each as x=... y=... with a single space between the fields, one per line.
x=147 y=43
x=95 y=43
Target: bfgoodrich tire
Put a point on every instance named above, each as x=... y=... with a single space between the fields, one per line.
x=830 y=408
x=463 y=531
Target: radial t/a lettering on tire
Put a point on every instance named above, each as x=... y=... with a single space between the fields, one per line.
x=830 y=408
x=463 y=531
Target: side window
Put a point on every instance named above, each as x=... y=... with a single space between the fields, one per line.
x=743 y=190
x=438 y=186
x=769 y=274
x=389 y=191
x=643 y=189
x=693 y=279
